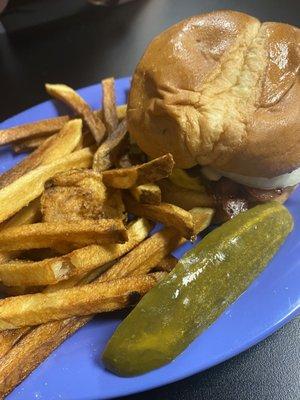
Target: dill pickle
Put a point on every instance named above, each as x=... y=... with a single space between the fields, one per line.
x=203 y=284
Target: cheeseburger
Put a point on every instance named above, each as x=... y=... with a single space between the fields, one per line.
x=221 y=92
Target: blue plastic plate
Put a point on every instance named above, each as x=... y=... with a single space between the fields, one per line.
x=75 y=372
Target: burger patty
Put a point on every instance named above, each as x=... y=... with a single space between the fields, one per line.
x=233 y=198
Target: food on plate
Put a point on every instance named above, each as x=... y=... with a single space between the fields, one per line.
x=109 y=108
x=32 y=129
x=168 y=214
x=86 y=261
x=166 y=264
x=152 y=171
x=39 y=308
x=31 y=349
x=54 y=148
x=46 y=234
x=203 y=284
x=223 y=95
x=28 y=187
x=29 y=144
x=80 y=107
x=80 y=195
x=156 y=248
x=38 y=273
x=153 y=250
x=26 y=215
x=148 y=193
x=194 y=147
x=28 y=136
x=108 y=151
x=184 y=198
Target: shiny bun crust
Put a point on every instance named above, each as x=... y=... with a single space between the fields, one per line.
x=220 y=89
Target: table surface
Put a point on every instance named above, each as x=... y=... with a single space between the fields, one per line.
x=80 y=46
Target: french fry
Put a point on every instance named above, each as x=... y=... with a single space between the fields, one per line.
x=31 y=185
x=151 y=171
x=67 y=95
x=109 y=104
x=181 y=178
x=32 y=349
x=52 y=149
x=18 y=291
x=98 y=297
x=45 y=127
x=29 y=144
x=151 y=251
x=77 y=178
x=78 y=263
x=89 y=258
x=79 y=195
x=167 y=264
x=27 y=273
x=32 y=129
x=27 y=215
x=103 y=158
x=121 y=111
x=184 y=198
x=149 y=193
x=29 y=353
x=167 y=214
x=46 y=234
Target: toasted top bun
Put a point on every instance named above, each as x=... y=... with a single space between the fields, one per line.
x=220 y=89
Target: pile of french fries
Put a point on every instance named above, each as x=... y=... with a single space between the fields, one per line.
x=75 y=218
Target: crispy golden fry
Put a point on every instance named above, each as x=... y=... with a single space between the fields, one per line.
x=184 y=198
x=80 y=195
x=202 y=217
x=79 y=178
x=80 y=107
x=29 y=144
x=7 y=340
x=137 y=232
x=78 y=263
x=32 y=349
x=103 y=158
x=109 y=104
x=151 y=171
x=89 y=258
x=28 y=215
x=98 y=297
x=165 y=241
x=149 y=193
x=46 y=234
x=51 y=150
x=31 y=185
x=181 y=178
x=32 y=129
x=167 y=264
x=18 y=291
x=27 y=273
x=121 y=111
x=151 y=251
x=167 y=214
x=44 y=127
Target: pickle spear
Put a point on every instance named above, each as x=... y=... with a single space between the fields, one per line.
x=203 y=284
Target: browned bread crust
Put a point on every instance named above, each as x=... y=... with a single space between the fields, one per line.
x=220 y=89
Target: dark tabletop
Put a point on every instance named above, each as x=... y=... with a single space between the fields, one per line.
x=78 y=44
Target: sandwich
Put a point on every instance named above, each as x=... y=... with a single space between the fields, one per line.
x=221 y=92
